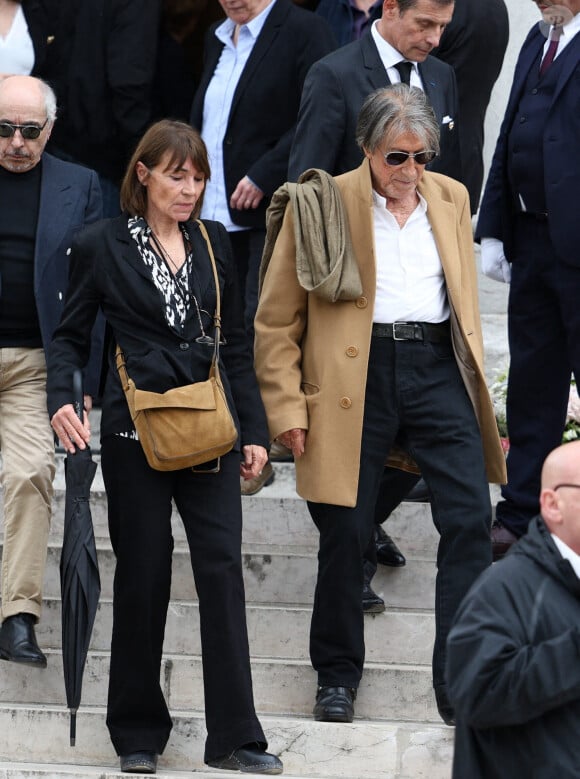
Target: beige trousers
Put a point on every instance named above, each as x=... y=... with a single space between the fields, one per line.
x=28 y=466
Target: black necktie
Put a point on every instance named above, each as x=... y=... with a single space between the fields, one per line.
x=405 y=69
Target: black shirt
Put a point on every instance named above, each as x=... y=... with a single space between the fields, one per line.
x=19 y=199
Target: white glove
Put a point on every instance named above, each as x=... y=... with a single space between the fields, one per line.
x=493 y=261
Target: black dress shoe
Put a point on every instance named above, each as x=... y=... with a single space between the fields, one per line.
x=444 y=707
x=388 y=553
x=18 y=642
x=139 y=763
x=335 y=704
x=371 y=602
x=419 y=494
x=502 y=540
x=249 y=759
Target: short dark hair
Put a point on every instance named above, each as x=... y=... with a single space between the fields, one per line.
x=405 y=5
x=168 y=135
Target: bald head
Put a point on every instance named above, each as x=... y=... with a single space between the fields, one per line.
x=560 y=495
x=27 y=104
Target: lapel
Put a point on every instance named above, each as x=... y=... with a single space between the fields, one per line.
x=57 y=202
x=373 y=64
x=265 y=41
x=441 y=213
x=214 y=50
x=529 y=55
x=432 y=88
x=356 y=191
x=569 y=65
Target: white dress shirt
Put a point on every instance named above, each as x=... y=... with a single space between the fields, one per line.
x=410 y=281
x=218 y=105
x=390 y=56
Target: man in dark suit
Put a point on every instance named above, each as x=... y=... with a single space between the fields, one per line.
x=44 y=202
x=529 y=232
x=246 y=108
x=474 y=44
x=102 y=66
x=337 y=85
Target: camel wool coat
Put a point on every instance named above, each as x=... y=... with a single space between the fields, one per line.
x=312 y=355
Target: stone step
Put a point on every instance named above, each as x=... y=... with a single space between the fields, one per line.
x=276 y=515
x=281 y=686
x=272 y=576
x=395 y=636
x=361 y=750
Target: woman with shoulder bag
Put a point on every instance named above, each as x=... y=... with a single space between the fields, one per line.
x=150 y=272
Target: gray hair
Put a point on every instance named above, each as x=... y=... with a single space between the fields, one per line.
x=49 y=99
x=393 y=111
x=405 y=5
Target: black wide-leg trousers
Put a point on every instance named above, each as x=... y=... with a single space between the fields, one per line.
x=414 y=391
x=139 y=506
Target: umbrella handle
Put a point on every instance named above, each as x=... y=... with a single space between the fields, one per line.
x=78 y=398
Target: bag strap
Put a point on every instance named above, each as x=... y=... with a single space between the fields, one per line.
x=217 y=319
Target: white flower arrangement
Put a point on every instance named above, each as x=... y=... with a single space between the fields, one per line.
x=498 y=392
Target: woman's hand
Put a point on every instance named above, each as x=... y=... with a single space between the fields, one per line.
x=255 y=457
x=295 y=440
x=70 y=430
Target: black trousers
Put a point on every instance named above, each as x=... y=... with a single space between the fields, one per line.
x=414 y=390
x=544 y=341
x=247 y=246
x=139 y=505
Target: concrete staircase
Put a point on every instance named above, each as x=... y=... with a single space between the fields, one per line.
x=397 y=733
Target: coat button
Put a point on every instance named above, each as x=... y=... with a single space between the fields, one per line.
x=362 y=302
x=345 y=402
x=352 y=351
x=184 y=346
x=522 y=119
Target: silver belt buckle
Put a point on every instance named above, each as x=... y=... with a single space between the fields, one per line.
x=399 y=338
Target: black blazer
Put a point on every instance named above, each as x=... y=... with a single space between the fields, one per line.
x=108 y=273
x=265 y=105
x=40 y=31
x=334 y=91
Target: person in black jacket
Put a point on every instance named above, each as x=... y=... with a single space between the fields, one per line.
x=513 y=653
x=149 y=271
x=102 y=65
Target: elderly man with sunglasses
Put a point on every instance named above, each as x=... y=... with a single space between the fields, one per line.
x=347 y=370
x=43 y=203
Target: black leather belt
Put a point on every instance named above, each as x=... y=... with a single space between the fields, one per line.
x=412 y=331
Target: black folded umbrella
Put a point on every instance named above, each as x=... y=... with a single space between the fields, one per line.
x=79 y=571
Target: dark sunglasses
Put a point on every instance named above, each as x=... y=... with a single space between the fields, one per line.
x=400 y=157
x=30 y=132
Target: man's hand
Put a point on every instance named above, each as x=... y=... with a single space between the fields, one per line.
x=71 y=432
x=295 y=440
x=246 y=195
x=493 y=261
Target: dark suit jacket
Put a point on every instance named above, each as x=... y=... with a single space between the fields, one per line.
x=108 y=274
x=561 y=157
x=265 y=105
x=334 y=91
x=70 y=199
x=474 y=44
x=39 y=29
x=102 y=67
